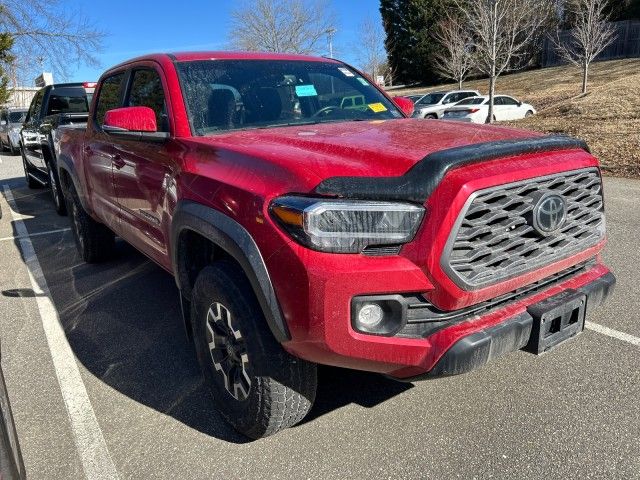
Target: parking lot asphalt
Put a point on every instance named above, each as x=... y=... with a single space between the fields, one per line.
x=138 y=408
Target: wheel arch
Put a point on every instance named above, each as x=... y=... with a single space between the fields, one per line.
x=228 y=239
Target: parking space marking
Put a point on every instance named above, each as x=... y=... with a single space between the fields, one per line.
x=90 y=443
x=609 y=332
x=48 y=232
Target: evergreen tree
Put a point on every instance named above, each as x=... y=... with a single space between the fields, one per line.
x=6 y=58
x=409 y=25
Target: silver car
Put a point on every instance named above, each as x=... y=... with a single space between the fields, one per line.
x=433 y=105
x=10 y=124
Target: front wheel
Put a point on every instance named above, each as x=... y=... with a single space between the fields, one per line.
x=528 y=114
x=56 y=191
x=257 y=387
x=31 y=182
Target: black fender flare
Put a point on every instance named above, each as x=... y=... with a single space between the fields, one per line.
x=236 y=241
x=65 y=163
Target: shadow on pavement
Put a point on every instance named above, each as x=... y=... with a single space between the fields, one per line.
x=122 y=319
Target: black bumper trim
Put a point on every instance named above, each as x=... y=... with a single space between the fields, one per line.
x=478 y=349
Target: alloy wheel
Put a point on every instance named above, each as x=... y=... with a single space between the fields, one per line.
x=228 y=351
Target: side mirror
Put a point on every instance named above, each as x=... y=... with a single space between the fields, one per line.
x=132 y=119
x=405 y=104
x=135 y=123
x=3 y=122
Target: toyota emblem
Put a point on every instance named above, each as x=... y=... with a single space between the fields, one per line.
x=549 y=214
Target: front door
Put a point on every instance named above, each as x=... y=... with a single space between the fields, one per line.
x=143 y=171
x=30 y=135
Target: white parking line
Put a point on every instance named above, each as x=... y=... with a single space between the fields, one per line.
x=92 y=448
x=48 y=232
x=609 y=332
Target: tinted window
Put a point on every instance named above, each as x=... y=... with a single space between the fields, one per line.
x=498 y=101
x=472 y=101
x=235 y=94
x=109 y=96
x=508 y=101
x=17 y=116
x=146 y=91
x=36 y=105
x=431 y=99
x=67 y=100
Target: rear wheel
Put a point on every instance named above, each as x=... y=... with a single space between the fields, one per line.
x=56 y=191
x=94 y=240
x=257 y=387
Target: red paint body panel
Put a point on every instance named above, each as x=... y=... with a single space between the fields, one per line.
x=239 y=173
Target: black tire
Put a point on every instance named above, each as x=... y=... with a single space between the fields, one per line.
x=56 y=190
x=257 y=387
x=31 y=182
x=431 y=116
x=528 y=114
x=94 y=240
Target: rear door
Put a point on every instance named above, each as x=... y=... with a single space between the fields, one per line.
x=99 y=152
x=144 y=170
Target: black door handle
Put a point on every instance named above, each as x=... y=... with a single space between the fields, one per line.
x=118 y=162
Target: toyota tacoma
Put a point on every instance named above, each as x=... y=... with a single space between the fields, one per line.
x=301 y=232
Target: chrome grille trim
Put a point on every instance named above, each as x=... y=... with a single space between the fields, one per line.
x=493 y=239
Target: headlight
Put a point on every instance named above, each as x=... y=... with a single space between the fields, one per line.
x=346 y=226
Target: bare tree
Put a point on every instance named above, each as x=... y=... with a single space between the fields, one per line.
x=503 y=31
x=591 y=34
x=455 y=60
x=370 y=47
x=44 y=31
x=294 y=26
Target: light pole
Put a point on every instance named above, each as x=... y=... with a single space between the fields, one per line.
x=330 y=33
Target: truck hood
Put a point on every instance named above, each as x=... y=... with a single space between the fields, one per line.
x=376 y=148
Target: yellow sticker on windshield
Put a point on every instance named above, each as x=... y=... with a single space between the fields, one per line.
x=377 y=107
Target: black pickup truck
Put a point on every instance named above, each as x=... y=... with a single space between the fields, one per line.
x=53 y=108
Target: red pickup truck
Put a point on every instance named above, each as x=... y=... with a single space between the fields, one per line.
x=305 y=229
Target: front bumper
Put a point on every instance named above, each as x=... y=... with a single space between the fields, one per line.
x=478 y=349
x=322 y=331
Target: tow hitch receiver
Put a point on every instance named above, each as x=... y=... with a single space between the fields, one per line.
x=556 y=320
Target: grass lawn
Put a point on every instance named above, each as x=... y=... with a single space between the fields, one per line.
x=608 y=117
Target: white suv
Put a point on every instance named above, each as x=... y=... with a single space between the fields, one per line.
x=434 y=104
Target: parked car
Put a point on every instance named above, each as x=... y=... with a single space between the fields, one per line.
x=10 y=124
x=11 y=463
x=53 y=108
x=303 y=233
x=476 y=109
x=433 y=105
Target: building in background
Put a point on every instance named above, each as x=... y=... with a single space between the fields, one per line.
x=22 y=96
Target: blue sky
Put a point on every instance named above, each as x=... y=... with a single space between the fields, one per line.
x=136 y=27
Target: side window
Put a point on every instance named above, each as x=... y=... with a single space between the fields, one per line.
x=36 y=105
x=467 y=95
x=108 y=96
x=509 y=101
x=146 y=91
x=498 y=101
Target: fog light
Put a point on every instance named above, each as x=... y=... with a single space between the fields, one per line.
x=370 y=316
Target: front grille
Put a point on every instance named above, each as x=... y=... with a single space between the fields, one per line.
x=494 y=238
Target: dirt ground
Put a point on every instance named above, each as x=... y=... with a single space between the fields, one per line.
x=608 y=117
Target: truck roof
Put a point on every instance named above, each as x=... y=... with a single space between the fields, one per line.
x=223 y=55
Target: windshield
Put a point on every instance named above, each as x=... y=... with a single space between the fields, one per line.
x=431 y=99
x=223 y=95
x=471 y=101
x=17 y=116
